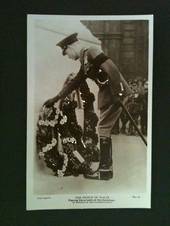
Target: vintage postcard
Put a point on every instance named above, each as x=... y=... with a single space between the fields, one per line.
x=89 y=111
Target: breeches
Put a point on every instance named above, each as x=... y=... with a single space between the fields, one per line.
x=108 y=117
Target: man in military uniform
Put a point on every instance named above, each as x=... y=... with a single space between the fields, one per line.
x=100 y=68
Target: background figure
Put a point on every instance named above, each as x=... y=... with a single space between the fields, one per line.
x=137 y=106
x=144 y=110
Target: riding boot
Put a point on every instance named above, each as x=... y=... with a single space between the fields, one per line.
x=105 y=166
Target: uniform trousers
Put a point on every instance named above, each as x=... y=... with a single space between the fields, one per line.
x=108 y=117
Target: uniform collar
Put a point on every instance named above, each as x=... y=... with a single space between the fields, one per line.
x=82 y=53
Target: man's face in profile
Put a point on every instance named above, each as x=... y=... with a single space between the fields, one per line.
x=71 y=52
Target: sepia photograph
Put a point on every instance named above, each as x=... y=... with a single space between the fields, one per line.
x=89 y=111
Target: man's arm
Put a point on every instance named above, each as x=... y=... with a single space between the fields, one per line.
x=72 y=85
x=100 y=60
x=113 y=75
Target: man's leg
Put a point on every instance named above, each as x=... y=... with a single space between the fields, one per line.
x=108 y=118
x=105 y=166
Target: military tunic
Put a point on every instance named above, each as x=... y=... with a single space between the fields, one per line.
x=100 y=68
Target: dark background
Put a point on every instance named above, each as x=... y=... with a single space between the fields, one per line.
x=13 y=90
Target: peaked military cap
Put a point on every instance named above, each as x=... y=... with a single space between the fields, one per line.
x=67 y=41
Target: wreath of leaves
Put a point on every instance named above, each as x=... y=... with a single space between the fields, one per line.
x=61 y=142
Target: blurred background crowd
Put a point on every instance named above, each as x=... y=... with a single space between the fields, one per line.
x=137 y=105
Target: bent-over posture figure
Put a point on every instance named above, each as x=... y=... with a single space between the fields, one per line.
x=101 y=69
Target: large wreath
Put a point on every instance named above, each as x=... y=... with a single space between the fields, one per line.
x=62 y=144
